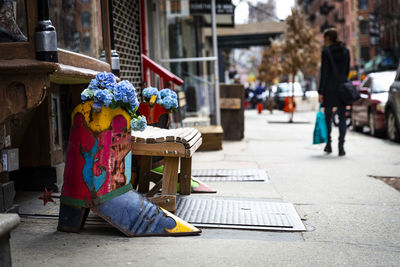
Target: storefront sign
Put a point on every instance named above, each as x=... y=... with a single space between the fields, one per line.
x=230 y=103
x=223 y=7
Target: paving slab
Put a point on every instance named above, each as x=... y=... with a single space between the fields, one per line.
x=352 y=219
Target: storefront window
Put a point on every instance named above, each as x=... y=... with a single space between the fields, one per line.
x=180 y=36
x=13 y=26
x=182 y=29
x=198 y=87
x=78 y=25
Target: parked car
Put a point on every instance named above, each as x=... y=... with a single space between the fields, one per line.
x=392 y=109
x=370 y=109
x=285 y=90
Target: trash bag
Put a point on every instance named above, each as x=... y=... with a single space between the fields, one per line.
x=320 y=130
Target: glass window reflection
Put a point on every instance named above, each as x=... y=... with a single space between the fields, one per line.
x=180 y=31
x=78 y=25
x=198 y=87
x=363 y=4
x=13 y=26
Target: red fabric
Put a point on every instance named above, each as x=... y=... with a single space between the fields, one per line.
x=290 y=104
x=151 y=112
x=259 y=107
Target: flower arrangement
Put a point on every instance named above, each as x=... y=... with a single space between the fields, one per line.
x=104 y=90
x=166 y=97
x=149 y=92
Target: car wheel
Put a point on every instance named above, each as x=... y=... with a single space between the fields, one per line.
x=355 y=127
x=393 y=132
x=371 y=124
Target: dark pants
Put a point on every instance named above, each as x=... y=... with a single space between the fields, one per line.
x=341 y=110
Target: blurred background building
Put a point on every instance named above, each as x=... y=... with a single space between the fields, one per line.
x=369 y=28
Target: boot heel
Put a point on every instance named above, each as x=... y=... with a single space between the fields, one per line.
x=72 y=219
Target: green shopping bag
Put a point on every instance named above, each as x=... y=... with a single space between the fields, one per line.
x=320 y=130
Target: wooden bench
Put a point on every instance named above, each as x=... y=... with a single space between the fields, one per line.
x=176 y=146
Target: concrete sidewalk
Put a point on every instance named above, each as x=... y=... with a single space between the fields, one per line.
x=352 y=219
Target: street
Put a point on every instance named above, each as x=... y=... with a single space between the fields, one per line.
x=351 y=218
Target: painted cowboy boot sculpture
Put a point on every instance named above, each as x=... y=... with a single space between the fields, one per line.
x=156 y=109
x=98 y=169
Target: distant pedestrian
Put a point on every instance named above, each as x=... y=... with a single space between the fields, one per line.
x=334 y=72
x=260 y=89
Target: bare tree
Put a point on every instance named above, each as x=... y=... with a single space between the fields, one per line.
x=261 y=12
x=270 y=67
x=301 y=49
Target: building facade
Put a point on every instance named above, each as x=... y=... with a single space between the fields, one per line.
x=369 y=28
x=388 y=18
x=41 y=79
x=324 y=14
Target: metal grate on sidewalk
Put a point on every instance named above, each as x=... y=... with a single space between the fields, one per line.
x=231 y=175
x=239 y=214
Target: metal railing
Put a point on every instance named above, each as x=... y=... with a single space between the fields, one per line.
x=157 y=76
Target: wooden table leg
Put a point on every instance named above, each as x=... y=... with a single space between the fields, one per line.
x=170 y=176
x=185 y=176
x=144 y=174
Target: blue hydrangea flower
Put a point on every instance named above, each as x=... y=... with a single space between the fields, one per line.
x=150 y=91
x=169 y=99
x=103 y=96
x=159 y=101
x=139 y=124
x=124 y=91
x=104 y=90
x=87 y=94
x=168 y=92
x=106 y=80
x=94 y=85
x=134 y=103
x=169 y=102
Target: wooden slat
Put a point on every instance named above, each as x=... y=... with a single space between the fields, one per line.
x=159 y=149
x=182 y=132
x=160 y=139
x=155 y=177
x=140 y=140
x=144 y=174
x=190 y=135
x=155 y=189
x=170 y=176
x=158 y=136
x=167 y=202
x=185 y=176
x=141 y=137
x=189 y=152
x=170 y=137
x=193 y=141
x=212 y=129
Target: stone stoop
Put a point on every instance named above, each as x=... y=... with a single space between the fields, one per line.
x=7 y=223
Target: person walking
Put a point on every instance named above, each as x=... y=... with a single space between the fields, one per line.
x=260 y=89
x=335 y=65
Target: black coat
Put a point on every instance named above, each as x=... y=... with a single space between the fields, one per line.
x=330 y=81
